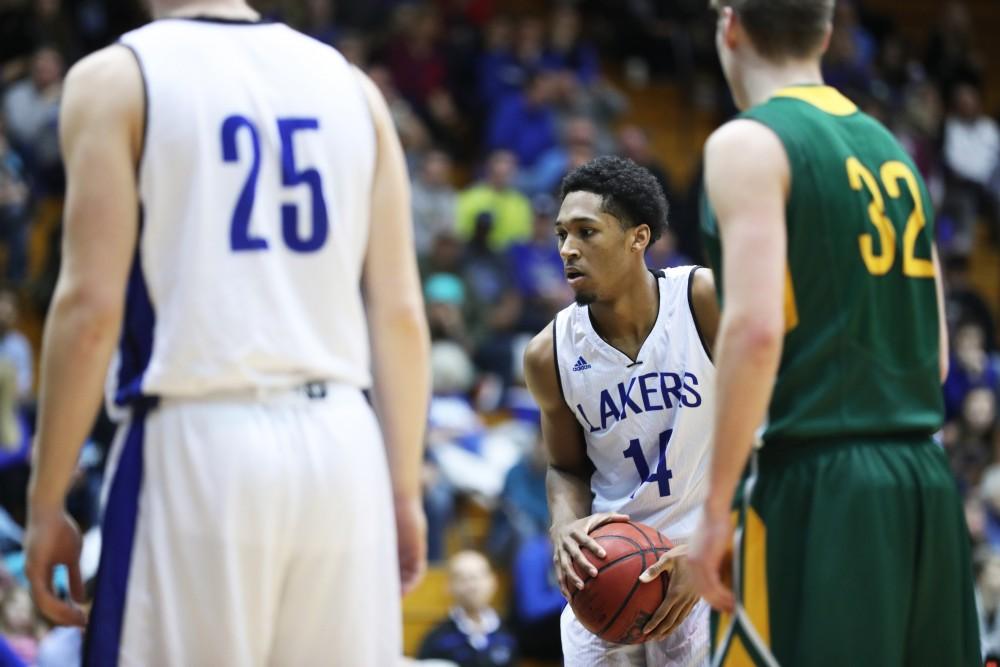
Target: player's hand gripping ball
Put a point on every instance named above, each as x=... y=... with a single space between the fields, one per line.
x=615 y=605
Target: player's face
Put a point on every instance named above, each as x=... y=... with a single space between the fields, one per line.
x=593 y=245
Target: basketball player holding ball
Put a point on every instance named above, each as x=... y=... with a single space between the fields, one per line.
x=625 y=382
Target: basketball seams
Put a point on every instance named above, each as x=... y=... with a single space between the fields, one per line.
x=645 y=535
x=653 y=549
x=628 y=598
x=638 y=549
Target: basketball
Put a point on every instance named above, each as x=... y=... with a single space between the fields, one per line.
x=615 y=605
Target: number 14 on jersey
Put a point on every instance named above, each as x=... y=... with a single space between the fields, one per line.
x=662 y=475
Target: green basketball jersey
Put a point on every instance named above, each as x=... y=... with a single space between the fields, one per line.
x=860 y=352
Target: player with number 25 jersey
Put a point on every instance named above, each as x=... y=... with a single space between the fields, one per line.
x=238 y=202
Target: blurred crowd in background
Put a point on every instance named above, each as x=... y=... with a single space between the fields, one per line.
x=494 y=103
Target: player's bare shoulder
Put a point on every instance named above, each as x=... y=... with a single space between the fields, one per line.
x=540 y=368
x=105 y=88
x=112 y=72
x=739 y=155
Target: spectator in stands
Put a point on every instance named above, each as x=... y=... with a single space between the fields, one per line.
x=633 y=143
x=445 y=256
x=972 y=157
x=31 y=113
x=600 y=102
x=444 y=294
x=14 y=346
x=964 y=303
x=453 y=376
x=918 y=127
x=419 y=67
x=16 y=369
x=975 y=437
x=354 y=47
x=12 y=441
x=529 y=44
x=525 y=123
x=988 y=604
x=865 y=48
x=579 y=134
x=566 y=49
x=498 y=73
x=318 y=21
x=415 y=57
x=473 y=634
x=537 y=603
x=972 y=365
x=952 y=56
x=895 y=69
x=11 y=538
x=413 y=134
x=989 y=496
x=55 y=25
x=664 y=254
x=536 y=269
x=844 y=67
x=19 y=625
x=661 y=35
x=496 y=307
x=484 y=269
x=472 y=459
x=509 y=210
x=523 y=511
x=433 y=200
x=14 y=208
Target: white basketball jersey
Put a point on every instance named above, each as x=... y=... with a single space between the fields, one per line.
x=255 y=184
x=647 y=423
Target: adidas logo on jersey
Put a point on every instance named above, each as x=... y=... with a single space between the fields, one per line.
x=581 y=365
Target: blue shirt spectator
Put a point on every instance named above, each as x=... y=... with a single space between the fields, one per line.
x=538 y=602
x=536 y=267
x=525 y=123
x=566 y=50
x=472 y=635
x=972 y=365
x=536 y=592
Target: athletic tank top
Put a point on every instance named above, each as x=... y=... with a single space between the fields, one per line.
x=647 y=423
x=255 y=183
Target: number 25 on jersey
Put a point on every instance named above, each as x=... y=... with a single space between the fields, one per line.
x=240 y=239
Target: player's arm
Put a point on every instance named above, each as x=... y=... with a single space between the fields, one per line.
x=944 y=358
x=399 y=336
x=101 y=136
x=747 y=180
x=705 y=302
x=567 y=480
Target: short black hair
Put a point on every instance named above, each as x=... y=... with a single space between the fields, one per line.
x=629 y=192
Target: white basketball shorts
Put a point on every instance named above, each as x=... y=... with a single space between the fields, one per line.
x=687 y=646
x=248 y=530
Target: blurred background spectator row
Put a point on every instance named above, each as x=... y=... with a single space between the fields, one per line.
x=495 y=102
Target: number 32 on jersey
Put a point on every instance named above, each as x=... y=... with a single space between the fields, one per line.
x=891 y=174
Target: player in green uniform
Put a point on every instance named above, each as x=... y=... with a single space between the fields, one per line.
x=850 y=545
